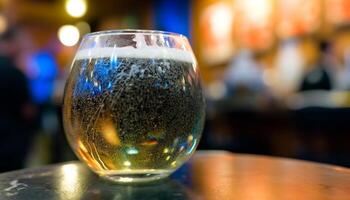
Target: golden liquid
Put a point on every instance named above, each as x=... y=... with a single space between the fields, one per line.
x=134 y=117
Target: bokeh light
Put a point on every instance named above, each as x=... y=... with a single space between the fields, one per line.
x=216 y=26
x=83 y=27
x=68 y=35
x=221 y=20
x=42 y=70
x=76 y=8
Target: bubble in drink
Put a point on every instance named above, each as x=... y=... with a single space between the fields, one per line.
x=128 y=115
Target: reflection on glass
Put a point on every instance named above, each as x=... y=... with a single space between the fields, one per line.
x=226 y=176
x=69 y=184
x=166 y=189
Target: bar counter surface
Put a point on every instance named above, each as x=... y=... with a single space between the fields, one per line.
x=208 y=175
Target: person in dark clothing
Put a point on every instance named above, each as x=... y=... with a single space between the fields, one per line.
x=16 y=111
x=318 y=78
x=14 y=134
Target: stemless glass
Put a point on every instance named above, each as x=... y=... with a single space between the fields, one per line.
x=133 y=105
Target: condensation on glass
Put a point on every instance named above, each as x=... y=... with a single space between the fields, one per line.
x=133 y=105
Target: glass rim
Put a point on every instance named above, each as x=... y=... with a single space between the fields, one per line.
x=133 y=31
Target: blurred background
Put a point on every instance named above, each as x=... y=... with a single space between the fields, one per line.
x=276 y=73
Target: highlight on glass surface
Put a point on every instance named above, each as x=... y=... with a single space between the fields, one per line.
x=133 y=106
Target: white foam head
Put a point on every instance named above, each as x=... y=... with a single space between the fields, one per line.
x=131 y=52
x=142 y=50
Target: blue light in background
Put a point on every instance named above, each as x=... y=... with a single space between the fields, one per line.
x=42 y=68
x=173 y=16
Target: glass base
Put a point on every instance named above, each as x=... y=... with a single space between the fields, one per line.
x=135 y=177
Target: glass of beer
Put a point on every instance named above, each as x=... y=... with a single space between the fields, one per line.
x=133 y=105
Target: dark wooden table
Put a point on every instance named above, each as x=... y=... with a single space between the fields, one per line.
x=209 y=175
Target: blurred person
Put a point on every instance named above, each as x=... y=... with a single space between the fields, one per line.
x=16 y=111
x=346 y=73
x=244 y=80
x=289 y=64
x=339 y=57
x=318 y=76
x=245 y=71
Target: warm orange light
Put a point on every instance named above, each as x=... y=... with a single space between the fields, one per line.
x=255 y=12
x=216 y=27
x=220 y=20
x=3 y=24
x=82 y=146
x=337 y=11
x=254 y=23
x=297 y=17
